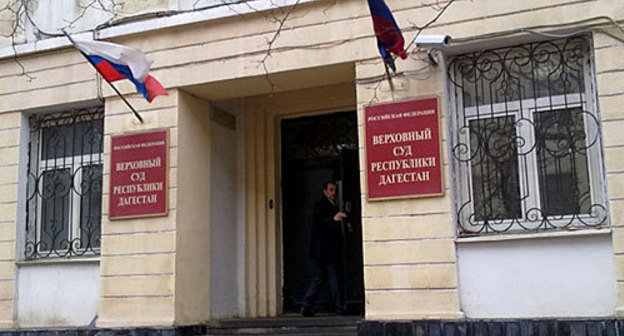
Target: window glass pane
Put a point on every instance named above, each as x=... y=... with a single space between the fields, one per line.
x=562 y=162
x=68 y=139
x=56 y=142
x=88 y=137
x=90 y=206
x=494 y=168
x=523 y=72
x=54 y=229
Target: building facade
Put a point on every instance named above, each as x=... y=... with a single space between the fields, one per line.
x=268 y=99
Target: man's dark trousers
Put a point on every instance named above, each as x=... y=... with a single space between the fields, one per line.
x=329 y=272
x=326 y=251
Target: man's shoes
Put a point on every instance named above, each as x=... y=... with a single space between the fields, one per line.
x=307 y=312
x=341 y=311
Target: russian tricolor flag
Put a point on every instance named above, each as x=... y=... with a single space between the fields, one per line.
x=389 y=37
x=116 y=62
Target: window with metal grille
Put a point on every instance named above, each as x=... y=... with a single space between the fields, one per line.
x=64 y=188
x=525 y=139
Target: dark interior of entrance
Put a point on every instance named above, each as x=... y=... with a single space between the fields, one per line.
x=315 y=150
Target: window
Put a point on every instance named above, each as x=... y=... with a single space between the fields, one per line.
x=526 y=150
x=64 y=184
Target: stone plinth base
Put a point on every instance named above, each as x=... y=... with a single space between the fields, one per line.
x=594 y=327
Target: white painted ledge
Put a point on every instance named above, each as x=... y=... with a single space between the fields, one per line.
x=416 y=316
x=51 y=261
x=536 y=235
x=152 y=25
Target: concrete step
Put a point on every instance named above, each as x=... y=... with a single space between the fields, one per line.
x=291 y=332
x=286 y=326
x=354 y=333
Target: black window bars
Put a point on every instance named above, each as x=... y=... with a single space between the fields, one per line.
x=64 y=188
x=525 y=139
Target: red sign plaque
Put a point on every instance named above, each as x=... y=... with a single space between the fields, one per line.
x=403 y=150
x=138 y=179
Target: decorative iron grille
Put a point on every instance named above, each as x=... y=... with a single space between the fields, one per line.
x=526 y=139
x=64 y=191
x=312 y=137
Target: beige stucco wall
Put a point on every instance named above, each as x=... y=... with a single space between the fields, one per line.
x=409 y=248
x=609 y=72
x=138 y=256
x=155 y=271
x=192 y=273
x=9 y=159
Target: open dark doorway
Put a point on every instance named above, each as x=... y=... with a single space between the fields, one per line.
x=314 y=150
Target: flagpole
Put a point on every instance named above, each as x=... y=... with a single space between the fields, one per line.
x=389 y=76
x=136 y=114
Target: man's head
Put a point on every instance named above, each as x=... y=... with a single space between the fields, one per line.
x=329 y=190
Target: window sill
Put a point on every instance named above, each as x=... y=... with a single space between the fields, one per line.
x=51 y=261
x=537 y=235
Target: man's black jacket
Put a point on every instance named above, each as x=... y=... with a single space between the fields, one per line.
x=326 y=237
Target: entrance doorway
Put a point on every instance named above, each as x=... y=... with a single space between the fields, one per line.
x=317 y=149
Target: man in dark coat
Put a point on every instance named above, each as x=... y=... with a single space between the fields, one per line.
x=325 y=249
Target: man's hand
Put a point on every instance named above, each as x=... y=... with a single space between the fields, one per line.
x=339 y=216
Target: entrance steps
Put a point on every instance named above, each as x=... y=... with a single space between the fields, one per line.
x=286 y=326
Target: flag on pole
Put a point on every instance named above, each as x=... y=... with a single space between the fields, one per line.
x=389 y=37
x=116 y=62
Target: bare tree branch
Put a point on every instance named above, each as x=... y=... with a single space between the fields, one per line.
x=270 y=42
x=19 y=10
x=23 y=21
x=331 y=4
x=440 y=10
